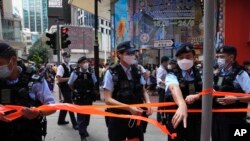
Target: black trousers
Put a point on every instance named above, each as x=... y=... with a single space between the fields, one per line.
x=191 y=133
x=161 y=93
x=222 y=123
x=119 y=129
x=66 y=93
x=83 y=119
x=20 y=132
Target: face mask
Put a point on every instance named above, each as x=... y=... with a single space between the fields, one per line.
x=66 y=59
x=135 y=62
x=85 y=66
x=128 y=59
x=4 y=71
x=221 y=62
x=185 y=64
x=169 y=67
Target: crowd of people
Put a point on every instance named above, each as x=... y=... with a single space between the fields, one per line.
x=127 y=82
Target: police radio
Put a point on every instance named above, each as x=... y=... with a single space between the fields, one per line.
x=34 y=79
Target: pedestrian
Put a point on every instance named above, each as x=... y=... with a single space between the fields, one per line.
x=82 y=82
x=184 y=83
x=19 y=87
x=62 y=75
x=123 y=85
x=246 y=65
x=160 y=78
x=231 y=77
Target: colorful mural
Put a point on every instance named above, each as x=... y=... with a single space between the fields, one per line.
x=121 y=21
x=149 y=21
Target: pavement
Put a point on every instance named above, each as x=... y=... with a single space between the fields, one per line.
x=97 y=128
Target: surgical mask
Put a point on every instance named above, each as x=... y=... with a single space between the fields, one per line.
x=135 y=62
x=129 y=59
x=85 y=66
x=4 y=71
x=66 y=59
x=169 y=67
x=185 y=64
x=221 y=62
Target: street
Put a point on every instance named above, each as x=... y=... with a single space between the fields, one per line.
x=97 y=128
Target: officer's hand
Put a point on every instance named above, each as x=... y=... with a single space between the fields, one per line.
x=190 y=99
x=30 y=113
x=149 y=111
x=135 y=110
x=2 y=118
x=180 y=115
x=227 y=100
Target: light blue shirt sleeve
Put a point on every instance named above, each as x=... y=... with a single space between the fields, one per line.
x=170 y=79
x=94 y=77
x=142 y=81
x=72 y=78
x=244 y=81
x=40 y=91
x=108 y=82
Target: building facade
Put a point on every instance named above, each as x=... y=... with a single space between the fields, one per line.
x=35 y=15
x=10 y=27
x=84 y=18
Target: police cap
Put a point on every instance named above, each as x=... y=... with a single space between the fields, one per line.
x=81 y=59
x=231 y=50
x=66 y=54
x=127 y=46
x=185 y=48
x=6 y=50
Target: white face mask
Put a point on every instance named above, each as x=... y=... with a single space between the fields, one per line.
x=66 y=59
x=221 y=62
x=185 y=64
x=4 y=71
x=129 y=59
x=85 y=66
x=169 y=67
x=135 y=62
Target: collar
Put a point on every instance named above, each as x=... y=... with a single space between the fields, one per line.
x=125 y=68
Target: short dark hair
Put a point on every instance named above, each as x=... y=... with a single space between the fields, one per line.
x=164 y=59
x=6 y=51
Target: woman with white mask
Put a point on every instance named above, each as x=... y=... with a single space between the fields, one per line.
x=182 y=85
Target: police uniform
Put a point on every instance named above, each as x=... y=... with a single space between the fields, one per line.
x=233 y=79
x=160 y=76
x=64 y=71
x=83 y=93
x=126 y=85
x=189 y=83
x=29 y=92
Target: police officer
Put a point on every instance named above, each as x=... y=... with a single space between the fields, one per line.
x=19 y=87
x=183 y=83
x=82 y=82
x=231 y=77
x=124 y=84
x=160 y=78
x=63 y=74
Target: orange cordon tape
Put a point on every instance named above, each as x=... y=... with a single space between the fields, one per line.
x=95 y=109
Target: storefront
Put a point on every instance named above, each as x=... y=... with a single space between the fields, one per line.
x=158 y=27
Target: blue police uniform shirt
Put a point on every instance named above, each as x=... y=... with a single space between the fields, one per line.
x=39 y=91
x=108 y=82
x=242 y=80
x=73 y=77
x=172 y=79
